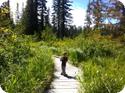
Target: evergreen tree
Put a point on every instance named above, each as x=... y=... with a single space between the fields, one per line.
x=62 y=16
x=56 y=16
x=47 y=21
x=42 y=14
x=29 y=19
x=42 y=11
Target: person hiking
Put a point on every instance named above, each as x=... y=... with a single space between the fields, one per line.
x=64 y=60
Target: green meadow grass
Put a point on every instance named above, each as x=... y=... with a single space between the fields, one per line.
x=101 y=61
x=25 y=68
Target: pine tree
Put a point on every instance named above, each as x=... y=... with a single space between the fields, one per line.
x=56 y=16
x=42 y=11
x=29 y=18
x=47 y=21
x=62 y=16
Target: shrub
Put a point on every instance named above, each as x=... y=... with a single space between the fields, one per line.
x=48 y=35
x=33 y=77
x=100 y=78
x=24 y=69
x=76 y=56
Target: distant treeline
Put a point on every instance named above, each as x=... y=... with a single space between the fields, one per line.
x=106 y=16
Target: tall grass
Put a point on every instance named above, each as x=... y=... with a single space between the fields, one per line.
x=101 y=60
x=102 y=76
x=25 y=69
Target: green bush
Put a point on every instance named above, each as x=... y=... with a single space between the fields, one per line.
x=76 y=56
x=33 y=77
x=48 y=35
x=90 y=49
x=24 y=69
x=103 y=76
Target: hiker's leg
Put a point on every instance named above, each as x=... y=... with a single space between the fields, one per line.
x=64 y=69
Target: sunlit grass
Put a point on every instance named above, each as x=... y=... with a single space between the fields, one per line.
x=25 y=67
x=101 y=60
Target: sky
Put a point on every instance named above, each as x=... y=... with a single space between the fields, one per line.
x=79 y=9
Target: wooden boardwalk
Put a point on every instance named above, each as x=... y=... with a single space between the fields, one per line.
x=63 y=84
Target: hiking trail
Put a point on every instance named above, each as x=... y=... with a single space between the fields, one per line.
x=64 y=84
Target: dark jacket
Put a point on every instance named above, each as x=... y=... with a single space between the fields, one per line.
x=64 y=60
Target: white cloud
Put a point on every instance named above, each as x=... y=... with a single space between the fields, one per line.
x=78 y=16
